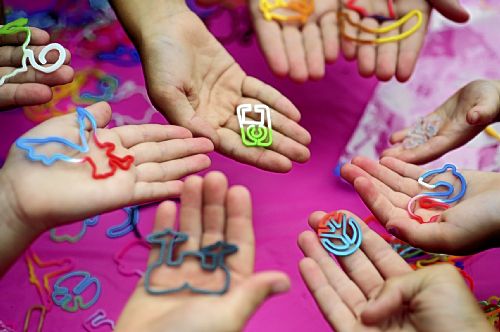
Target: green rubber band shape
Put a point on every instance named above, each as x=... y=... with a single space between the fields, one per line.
x=255 y=132
x=20 y=25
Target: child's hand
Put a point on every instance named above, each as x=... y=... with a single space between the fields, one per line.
x=209 y=212
x=463 y=116
x=44 y=197
x=374 y=288
x=466 y=227
x=31 y=87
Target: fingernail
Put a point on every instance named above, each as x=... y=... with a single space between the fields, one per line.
x=393 y=231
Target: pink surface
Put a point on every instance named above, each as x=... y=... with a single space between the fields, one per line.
x=282 y=202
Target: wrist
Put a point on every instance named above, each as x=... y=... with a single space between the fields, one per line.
x=143 y=19
x=15 y=235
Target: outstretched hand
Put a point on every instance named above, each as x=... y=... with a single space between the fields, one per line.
x=464 y=115
x=468 y=226
x=31 y=87
x=374 y=289
x=197 y=84
x=209 y=212
x=44 y=197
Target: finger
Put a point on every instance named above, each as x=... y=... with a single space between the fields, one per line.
x=399 y=136
x=164 y=218
x=190 y=221
x=146 y=192
x=409 y=48
x=239 y=230
x=451 y=9
x=347 y=289
x=232 y=147
x=280 y=143
x=387 y=261
x=272 y=45
x=351 y=172
x=296 y=53
x=11 y=56
x=330 y=34
x=434 y=148
x=254 y=88
x=330 y=303
x=282 y=124
x=61 y=76
x=38 y=37
x=349 y=47
x=313 y=46
x=367 y=54
x=172 y=149
x=393 y=179
x=101 y=111
x=172 y=169
x=485 y=111
x=131 y=135
x=28 y=94
x=214 y=209
x=387 y=56
x=379 y=205
x=253 y=291
x=402 y=168
x=178 y=110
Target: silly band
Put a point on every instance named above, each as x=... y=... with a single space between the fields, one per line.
x=43 y=288
x=258 y=133
x=62 y=297
x=211 y=258
x=329 y=236
x=118 y=258
x=351 y=4
x=450 y=188
x=302 y=8
x=427 y=203
x=19 y=25
x=27 y=318
x=98 y=319
x=128 y=224
x=75 y=238
x=343 y=16
x=114 y=161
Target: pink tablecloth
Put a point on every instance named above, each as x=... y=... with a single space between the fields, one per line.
x=331 y=109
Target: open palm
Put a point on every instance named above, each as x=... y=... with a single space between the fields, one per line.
x=209 y=212
x=413 y=300
x=468 y=226
x=162 y=155
x=197 y=84
x=463 y=116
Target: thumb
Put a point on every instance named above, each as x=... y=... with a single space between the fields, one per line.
x=485 y=111
x=248 y=296
x=394 y=294
x=101 y=112
x=451 y=9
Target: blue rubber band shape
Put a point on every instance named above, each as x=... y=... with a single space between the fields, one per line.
x=127 y=225
x=64 y=299
x=449 y=186
x=74 y=238
x=29 y=144
x=211 y=258
x=349 y=243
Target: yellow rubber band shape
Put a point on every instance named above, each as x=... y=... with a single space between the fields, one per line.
x=343 y=17
x=302 y=8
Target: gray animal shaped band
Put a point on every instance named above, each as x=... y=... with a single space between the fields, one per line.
x=211 y=258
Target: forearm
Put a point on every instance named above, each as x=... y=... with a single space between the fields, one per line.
x=140 y=18
x=15 y=237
